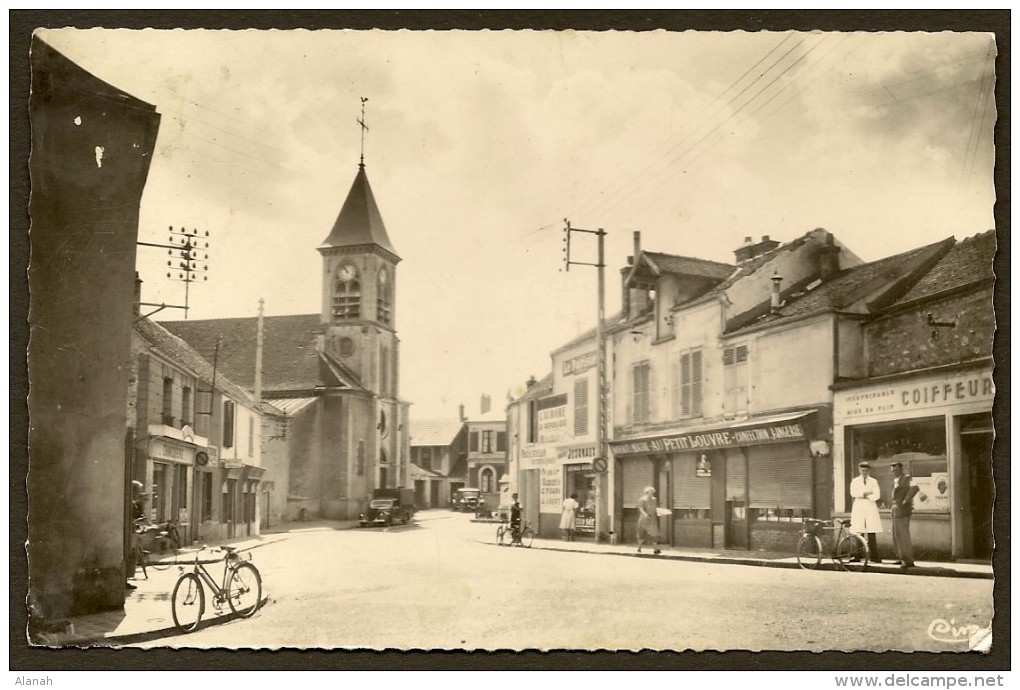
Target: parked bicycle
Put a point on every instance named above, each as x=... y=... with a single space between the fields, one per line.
x=164 y=539
x=240 y=588
x=847 y=549
x=519 y=537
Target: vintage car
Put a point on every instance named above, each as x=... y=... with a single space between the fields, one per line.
x=467 y=500
x=388 y=506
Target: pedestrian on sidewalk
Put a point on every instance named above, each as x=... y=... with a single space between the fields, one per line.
x=137 y=513
x=902 y=508
x=864 y=516
x=648 y=520
x=568 y=521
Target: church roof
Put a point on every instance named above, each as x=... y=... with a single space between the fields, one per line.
x=359 y=222
x=434 y=432
x=291 y=361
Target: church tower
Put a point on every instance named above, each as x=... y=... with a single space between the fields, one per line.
x=358 y=289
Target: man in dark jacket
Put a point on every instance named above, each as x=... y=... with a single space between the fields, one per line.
x=902 y=508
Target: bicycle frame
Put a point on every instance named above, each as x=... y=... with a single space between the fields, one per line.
x=219 y=590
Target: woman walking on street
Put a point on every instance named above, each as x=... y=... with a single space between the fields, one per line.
x=569 y=519
x=648 y=520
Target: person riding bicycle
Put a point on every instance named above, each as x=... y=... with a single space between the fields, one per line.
x=515 y=518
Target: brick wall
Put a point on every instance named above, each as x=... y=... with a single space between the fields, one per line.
x=782 y=536
x=904 y=342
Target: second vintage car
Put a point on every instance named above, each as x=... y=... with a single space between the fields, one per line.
x=387 y=507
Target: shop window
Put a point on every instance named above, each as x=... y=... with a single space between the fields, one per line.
x=168 y=401
x=640 y=380
x=160 y=481
x=919 y=445
x=581 y=407
x=581 y=480
x=228 y=424
x=487 y=441
x=735 y=382
x=179 y=505
x=780 y=483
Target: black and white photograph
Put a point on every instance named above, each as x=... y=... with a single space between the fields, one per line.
x=512 y=340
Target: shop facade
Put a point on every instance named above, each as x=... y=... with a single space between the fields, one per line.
x=746 y=485
x=938 y=423
x=549 y=474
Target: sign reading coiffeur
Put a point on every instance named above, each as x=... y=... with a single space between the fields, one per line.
x=928 y=393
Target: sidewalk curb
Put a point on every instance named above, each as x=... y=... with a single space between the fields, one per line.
x=766 y=563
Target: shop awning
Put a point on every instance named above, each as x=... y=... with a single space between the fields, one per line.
x=784 y=428
x=422 y=473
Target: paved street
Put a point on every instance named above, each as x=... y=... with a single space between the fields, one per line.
x=435 y=584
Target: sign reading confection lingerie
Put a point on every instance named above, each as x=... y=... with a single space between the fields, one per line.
x=766 y=432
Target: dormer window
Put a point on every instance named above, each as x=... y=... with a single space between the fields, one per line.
x=346 y=293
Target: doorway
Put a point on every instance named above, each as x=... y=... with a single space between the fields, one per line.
x=977 y=454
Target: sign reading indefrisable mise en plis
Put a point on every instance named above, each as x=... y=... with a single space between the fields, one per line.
x=723 y=438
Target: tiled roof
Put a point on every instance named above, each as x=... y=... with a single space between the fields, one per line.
x=538 y=389
x=359 y=221
x=850 y=286
x=178 y=351
x=968 y=261
x=688 y=266
x=290 y=360
x=291 y=406
x=488 y=417
x=433 y=432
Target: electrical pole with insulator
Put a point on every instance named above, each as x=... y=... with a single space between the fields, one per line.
x=603 y=521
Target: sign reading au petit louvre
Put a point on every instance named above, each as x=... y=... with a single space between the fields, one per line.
x=750 y=435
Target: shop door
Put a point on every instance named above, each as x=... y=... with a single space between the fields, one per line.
x=433 y=494
x=977 y=453
x=664 y=490
x=735 y=515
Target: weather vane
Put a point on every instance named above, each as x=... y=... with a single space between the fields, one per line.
x=364 y=128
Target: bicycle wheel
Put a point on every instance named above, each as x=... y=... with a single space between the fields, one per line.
x=809 y=551
x=188 y=602
x=852 y=553
x=499 y=534
x=244 y=590
x=506 y=538
x=527 y=536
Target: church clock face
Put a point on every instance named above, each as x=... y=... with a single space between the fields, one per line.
x=347 y=273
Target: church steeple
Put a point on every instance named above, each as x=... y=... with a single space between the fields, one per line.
x=360 y=222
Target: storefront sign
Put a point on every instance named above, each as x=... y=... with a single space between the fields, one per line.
x=585 y=523
x=775 y=432
x=552 y=419
x=537 y=456
x=171 y=452
x=577 y=452
x=551 y=489
x=580 y=363
x=915 y=395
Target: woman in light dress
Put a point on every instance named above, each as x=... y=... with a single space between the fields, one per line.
x=569 y=519
x=648 y=520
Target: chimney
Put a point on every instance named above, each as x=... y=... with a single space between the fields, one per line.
x=777 y=281
x=486 y=403
x=635 y=299
x=828 y=258
x=744 y=251
x=462 y=417
x=531 y=382
x=138 y=296
x=750 y=249
x=258 y=355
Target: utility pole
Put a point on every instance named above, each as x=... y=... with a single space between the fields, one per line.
x=603 y=521
x=191 y=257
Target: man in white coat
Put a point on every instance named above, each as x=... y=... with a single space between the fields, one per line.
x=864 y=518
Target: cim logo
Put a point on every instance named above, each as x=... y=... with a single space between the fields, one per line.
x=942 y=630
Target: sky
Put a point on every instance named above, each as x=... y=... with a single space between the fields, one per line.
x=481 y=143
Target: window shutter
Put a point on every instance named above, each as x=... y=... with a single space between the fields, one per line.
x=581 y=407
x=690 y=491
x=685 y=385
x=228 y=424
x=696 y=387
x=474 y=442
x=780 y=477
x=637 y=474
